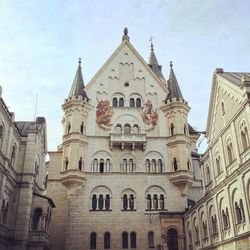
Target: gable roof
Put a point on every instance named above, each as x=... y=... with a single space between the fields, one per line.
x=235 y=78
x=125 y=42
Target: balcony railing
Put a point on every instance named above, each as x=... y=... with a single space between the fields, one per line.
x=38 y=237
x=122 y=139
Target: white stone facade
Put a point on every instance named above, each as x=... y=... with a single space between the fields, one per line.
x=125 y=162
x=220 y=220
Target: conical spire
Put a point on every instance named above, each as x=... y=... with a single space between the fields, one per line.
x=77 y=87
x=173 y=86
x=153 y=64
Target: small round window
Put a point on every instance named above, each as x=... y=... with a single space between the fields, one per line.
x=126 y=84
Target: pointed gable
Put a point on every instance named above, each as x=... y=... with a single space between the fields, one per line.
x=122 y=55
x=227 y=97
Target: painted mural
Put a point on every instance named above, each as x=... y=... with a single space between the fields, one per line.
x=149 y=115
x=104 y=114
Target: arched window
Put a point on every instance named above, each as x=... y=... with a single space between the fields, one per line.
x=230 y=150
x=185 y=129
x=82 y=128
x=208 y=174
x=131 y=165
x=197 y=236
x=132 y=102
x=149 y=203
x=242 y=210
x=68 y=127
x=36 y=218
x=214 y=224
x=172 y=129
x=121 y=102
x=160 y=165
x=135 y=129
x=66 y=163
x=115 y=102
x=101 y=165
x=125 y=169
x=172 y=239
x=80 y=164
x=125 y=202
x=154 y=165
x=124 y=240
x=95 y=165
x=127 y=129
x=13 y=155
x=151 y=243
x=106 y=242
x=204 y=225
x=118 y=128
x=131 y=202
x=238 y=212
x=100 y=202
x=94 y=202
x=218 y=164
x=155 y=201
x=175 y=164
x=225 y=218
x=161 y=201
x=1 y=135
x=93 y=240
x=244 y=135
x=133 y=239
x=107 y=202
x=188 y=164
x=223 y=108
x=138 y=102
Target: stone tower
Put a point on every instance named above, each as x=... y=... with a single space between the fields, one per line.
x=176 y=111
x=75 y=110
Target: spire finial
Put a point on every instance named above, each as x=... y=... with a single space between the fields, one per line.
x=125 y=34
x=79 y=61
x=151 y=42
x=171 y=64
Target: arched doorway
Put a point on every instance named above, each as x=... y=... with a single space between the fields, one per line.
x=172 y=239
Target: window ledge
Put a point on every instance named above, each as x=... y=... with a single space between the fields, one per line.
x=100 y=210
x=128 y=210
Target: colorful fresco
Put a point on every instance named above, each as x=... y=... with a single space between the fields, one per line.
x=149 y=115
x=104 y=114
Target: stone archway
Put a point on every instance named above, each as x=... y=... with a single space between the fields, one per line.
x=172 y=239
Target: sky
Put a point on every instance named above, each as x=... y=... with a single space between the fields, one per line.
x=41 y=41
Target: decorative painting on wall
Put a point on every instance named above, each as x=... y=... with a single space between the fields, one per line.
x=104 y=114
x=149 y=115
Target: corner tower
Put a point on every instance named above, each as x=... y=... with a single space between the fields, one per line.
x=75 y=110
x=176 y=112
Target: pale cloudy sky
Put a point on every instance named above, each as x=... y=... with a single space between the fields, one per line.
x=41 y=41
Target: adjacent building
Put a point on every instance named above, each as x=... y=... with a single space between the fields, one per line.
x=220 y=220
x=25 y=213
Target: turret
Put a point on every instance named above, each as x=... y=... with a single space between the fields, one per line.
x=75 y=108
x=176 y=112
x=153 y=64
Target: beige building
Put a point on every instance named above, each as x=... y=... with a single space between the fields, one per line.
x=127 y=167
x=25 y=211
x=220 y=220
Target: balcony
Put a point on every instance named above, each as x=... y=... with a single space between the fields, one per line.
x=38 y=238
x=183 y=179
x=122 y=140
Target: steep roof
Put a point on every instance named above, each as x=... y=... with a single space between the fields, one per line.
x=154 y=65
x=78 y=87
x=173 y=86
x=234 y=77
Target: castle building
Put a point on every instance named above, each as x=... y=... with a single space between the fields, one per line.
x=25 y=210
x=127 y=167
x=220 y=220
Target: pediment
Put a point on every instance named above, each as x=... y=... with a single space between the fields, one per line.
x=225 y=101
